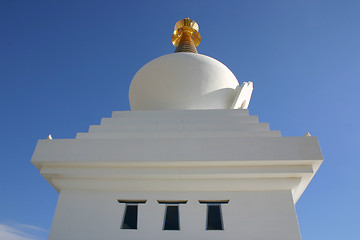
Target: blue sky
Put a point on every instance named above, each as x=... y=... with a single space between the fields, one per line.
x=66 y=64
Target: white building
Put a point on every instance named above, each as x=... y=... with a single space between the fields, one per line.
x=188 y=162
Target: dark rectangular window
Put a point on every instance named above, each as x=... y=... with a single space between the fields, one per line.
x=214 y=218
x=130 y=217
x=172 y=218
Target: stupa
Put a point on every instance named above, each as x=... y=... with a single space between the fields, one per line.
x=187 y=162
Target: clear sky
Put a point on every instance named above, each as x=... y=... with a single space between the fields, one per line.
x=66 y=64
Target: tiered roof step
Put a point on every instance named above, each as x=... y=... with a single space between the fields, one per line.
x=180 y=127
x=178 y=134
x=179 y=124
x=177 y=113
x=180 y=120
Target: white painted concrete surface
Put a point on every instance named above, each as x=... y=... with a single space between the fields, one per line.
x=243 y=96
x=95 y=215
x=183 y=81
x=178 y=155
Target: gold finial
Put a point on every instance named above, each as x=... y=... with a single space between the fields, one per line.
x=186 y=36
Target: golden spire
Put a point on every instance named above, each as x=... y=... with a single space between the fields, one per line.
x=186 y=36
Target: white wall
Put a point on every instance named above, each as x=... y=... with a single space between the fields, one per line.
x=249 y=215
x=178 y=155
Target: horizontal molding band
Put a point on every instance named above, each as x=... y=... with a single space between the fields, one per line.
x=172 y=201
x=214 y=201
x=132 y=201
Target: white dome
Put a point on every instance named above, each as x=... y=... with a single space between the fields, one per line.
x=183 y=81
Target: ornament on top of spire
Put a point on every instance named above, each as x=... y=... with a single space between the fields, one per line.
x=186 y=36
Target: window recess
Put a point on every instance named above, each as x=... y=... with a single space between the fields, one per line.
x=214 y=220
x=130 y=217
x=172 y=217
